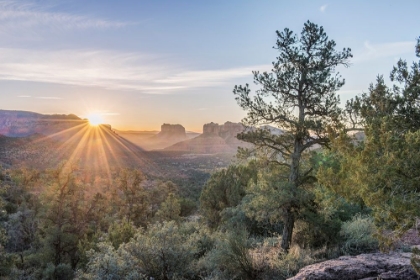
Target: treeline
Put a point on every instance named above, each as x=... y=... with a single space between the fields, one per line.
x=336 y=181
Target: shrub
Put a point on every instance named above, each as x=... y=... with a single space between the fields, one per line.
x=358 y=235
x=109 y=263
x=231 y=258
x=162 y=252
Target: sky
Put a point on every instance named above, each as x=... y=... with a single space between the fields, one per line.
x=140 y=64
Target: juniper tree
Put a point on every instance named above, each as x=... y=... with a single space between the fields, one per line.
x=298 y=96
x=383 y=170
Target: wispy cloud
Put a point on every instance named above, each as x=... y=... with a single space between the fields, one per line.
x=29 y=16
x=209 y=77
x=49 y=97
x=323 y=8
x=373 y=51
x=111 y=70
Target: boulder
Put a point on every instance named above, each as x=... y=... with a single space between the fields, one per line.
x=376 y=266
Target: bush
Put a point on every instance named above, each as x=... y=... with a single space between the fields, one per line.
x=163 y=251
x=358 y=236
x=237 y=257
x=109 y=263
x=231 y=258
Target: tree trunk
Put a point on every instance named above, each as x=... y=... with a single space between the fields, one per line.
x=289 y=218
x=289 y=222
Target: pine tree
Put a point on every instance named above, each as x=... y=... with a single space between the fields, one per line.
x=298 y=96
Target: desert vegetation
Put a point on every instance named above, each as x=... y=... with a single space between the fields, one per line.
x=311 y=193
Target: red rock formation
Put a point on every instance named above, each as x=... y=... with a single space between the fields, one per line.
x=215 y=139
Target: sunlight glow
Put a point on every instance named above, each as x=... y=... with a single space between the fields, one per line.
x=95 y=119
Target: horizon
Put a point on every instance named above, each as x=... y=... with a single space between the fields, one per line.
x=139 y=65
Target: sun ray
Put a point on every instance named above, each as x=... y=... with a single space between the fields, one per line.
x=89 y=160
x=108 y=145
x=78 y=148
x=103 y=154
x=143 y=162
x=70 y=129
x=67 y=145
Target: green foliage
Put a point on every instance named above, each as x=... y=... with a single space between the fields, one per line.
x=321 y=218
x=170 y=209
x=225 y=189
x=381 y=171
x=188 y=206
x=67 y=218
x=359 y=235
x=132 y=198
x=162 y=252
x=266 y=197
x=61 y=271
x=121 y=232
x=109 y=263
x=233 y=257
x=136 y=200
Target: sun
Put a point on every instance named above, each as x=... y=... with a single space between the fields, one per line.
x=95 y=119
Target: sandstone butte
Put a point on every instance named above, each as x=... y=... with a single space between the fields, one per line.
x=215 y=139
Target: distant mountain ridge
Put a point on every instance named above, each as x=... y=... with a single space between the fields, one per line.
x=24 y=123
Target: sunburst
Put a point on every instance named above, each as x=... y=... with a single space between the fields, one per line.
x=95 y=119
x=95 y=148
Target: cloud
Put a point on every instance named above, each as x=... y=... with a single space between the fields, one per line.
x=49 y=97
x=111 y=70
x=323 y=8
x=374 y=51
x=29 y=17
x=206 y=78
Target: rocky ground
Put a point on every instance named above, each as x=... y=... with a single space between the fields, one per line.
x=362 y=267
x=378 y=266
